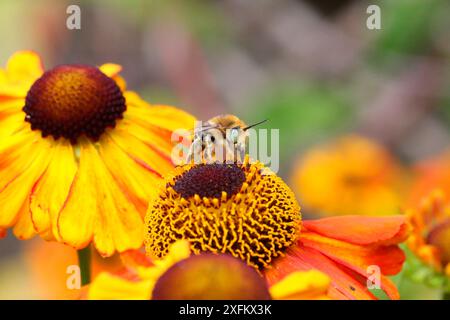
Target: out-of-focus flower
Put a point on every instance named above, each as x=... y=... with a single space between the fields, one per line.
x=180 y=276
x=48 y=266
x=78 y=153
x=430 y=174
x=430 y=239
x=353 y=176
x=248 y=212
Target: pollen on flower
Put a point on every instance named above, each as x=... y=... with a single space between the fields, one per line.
x=210 y=181
x=256 y=222
x=71 y=100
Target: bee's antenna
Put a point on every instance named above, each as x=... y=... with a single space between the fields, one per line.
x=256 y=124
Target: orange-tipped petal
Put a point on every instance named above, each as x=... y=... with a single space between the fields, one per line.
x=358 y=258
x=343 y=286
x=362 y=230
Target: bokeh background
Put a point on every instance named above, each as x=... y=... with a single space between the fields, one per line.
x=309 y=66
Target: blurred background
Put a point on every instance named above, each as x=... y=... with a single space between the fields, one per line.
x=311 y=67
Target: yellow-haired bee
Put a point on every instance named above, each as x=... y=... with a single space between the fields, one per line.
x=220 y=139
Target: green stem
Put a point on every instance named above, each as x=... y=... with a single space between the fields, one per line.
x=84 y=261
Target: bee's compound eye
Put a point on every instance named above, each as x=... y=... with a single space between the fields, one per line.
x=234 y=134
x=208 y=138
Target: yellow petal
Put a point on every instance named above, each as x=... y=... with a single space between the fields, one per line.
x=305 y=285
x=110 y=287
x=24 y=65
x=16 y=155
x=10 y=123
x=18 y=175
x=110 y=69
x=22 y=69
x=51 y=191
x=24 y=227
x=142 y=152
x=97 y=209
x=159 y=117
x=135 y=180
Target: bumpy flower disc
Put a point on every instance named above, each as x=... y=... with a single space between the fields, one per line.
x=238 y=209
x=439 y=237
x=211 y=277
x=71 y=100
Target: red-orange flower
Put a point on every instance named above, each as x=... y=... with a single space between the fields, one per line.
x=244 y=210
x=344 y=248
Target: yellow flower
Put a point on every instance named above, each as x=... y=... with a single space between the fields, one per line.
x=430 y=239
x=79 y=153
x=353 y=175
x=180 y=276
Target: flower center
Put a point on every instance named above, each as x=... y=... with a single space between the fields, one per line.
x=439 y=237
x=210 y=181
x=211 y=277
x=71 y=100
x=220 y=208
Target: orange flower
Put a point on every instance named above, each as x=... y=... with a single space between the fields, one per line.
x=248 y=212
x=430 y=240
x=181 y=276
x=430 y=174
x=78 y=153
x=352 y=175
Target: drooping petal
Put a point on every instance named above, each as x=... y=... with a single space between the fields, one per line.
x=389 y=258
x=142 y=152
x=24 y=227
x=133 y=178
x=51 y=190
x=362 y=230
x=306 y=285
x=20 y=167
x=97 y=209
x=300 y=258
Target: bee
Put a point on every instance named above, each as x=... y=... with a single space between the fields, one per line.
x=221 y=139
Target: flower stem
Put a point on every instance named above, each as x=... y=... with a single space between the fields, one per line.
x=84 y=261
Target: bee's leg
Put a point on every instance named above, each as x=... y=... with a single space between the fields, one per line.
x=208 y=152
x=240 y=150
x=196 y=148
